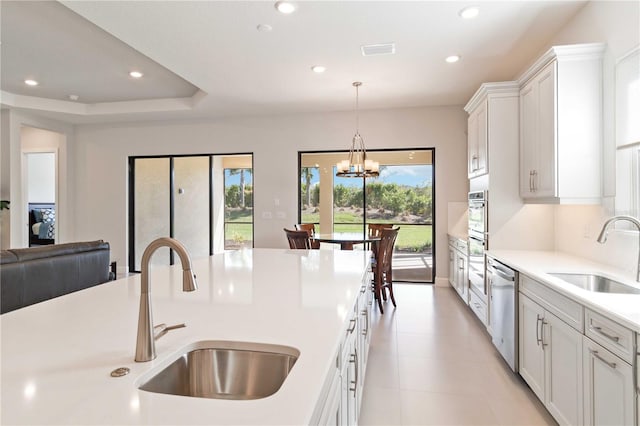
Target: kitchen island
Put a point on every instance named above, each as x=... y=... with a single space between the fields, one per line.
x=57 y=356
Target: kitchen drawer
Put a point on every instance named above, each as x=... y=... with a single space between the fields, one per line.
x=610 y=334
x=564 y=308
x=478 y=306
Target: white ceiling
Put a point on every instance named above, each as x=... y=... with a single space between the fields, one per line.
x=207 y=59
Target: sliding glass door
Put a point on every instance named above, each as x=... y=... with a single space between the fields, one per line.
x=402 y=195
x=192 y=199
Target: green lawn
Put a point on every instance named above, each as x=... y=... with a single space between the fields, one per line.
x=410 y=238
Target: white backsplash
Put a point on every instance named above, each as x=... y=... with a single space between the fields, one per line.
x=576 y=231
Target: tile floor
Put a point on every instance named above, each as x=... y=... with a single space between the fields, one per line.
x=431 y=362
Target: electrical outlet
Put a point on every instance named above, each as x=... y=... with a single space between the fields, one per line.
x=267 y=215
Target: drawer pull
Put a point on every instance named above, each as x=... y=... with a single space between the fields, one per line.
x=595 y=355
x=608 y=336
x=352 y=325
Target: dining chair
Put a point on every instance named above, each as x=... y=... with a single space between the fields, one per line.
x=311 y=230
x=374 y=230
x=382 y=272
x=298 y=239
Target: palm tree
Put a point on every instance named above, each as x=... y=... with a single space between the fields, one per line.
x=241 y=172
x=307 y=173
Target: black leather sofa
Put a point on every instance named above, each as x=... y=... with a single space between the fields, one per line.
x=32 y=275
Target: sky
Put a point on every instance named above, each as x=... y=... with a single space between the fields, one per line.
x=419 y=175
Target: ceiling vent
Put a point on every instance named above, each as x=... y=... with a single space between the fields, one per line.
x=378 y=49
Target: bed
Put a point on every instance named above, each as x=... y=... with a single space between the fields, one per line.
x=42 y=224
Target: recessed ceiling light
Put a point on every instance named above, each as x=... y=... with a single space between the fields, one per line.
x=264 y=28
x=74 y=97
x=452 y=59
x=318 y=69
x=30 y=82
x=285 y=7
x=136 y=74
x=469 y=12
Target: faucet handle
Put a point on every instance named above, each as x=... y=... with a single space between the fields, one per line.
x=162 y=329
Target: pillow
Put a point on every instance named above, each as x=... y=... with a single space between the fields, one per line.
x=47 y=215
x=37 y=215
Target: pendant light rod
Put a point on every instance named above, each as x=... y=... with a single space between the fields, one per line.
x=357 y=165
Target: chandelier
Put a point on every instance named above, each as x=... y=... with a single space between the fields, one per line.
x=357 y=165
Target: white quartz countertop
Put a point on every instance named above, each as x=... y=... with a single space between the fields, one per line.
x=57 y=355
x=623 y=308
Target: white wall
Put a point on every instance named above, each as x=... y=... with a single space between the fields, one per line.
x=13 y=124
x=618 y=25
x=102 y=151
x=41 y=177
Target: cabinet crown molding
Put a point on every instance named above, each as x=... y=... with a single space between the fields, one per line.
x=565 y=52
x=486 y=89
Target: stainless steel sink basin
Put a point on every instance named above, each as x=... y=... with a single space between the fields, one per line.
x=596 y=283
x=225 y=370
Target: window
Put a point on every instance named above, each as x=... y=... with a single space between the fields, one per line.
x=204 y=201
x=402 y=195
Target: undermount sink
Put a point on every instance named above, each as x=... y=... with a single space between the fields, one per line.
x=596 y=283
x=225 y=370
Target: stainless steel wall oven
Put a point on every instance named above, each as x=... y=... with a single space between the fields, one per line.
x=478 y=242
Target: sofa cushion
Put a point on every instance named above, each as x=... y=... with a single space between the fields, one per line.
x=36 y=274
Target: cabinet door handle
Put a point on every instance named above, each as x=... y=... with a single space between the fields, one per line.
x=538 y=339
x=607 y=335
x=352 y=325
x=535 y=181
x=365 y=314
x=595 y=355
x=530 y=180
x=354 y=360
x=542 y=324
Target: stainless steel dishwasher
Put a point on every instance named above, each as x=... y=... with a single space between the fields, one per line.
x=503 y=310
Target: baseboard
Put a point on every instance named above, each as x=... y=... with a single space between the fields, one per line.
x=441 y=282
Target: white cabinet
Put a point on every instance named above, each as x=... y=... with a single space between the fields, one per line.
x=551 y=361
x=459 y=267
x=330 y=414
x=477 y=141
x=561 y=126
x=349 y=375
x=342 y=393
x=609 y=396
x=489 y=127
x=365 y=305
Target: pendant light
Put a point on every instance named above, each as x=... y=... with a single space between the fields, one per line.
x=357 y=165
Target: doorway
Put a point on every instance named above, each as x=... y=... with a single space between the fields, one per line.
x=403 y=195
x=205 y=201
x=39 y=209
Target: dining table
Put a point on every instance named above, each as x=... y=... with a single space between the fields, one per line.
x=346 y=239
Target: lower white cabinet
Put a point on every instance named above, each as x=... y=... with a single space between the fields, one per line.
x=609 y=394
x=459 y=267
x=341 y=404
x=330 y=414
x=551 y=361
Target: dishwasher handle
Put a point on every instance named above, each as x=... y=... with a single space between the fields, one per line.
x=500 y=270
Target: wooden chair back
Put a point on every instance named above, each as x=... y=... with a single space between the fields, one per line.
x=298 y=239
x=311 y=230
x=385 y=248
x=383 y=271
x=376 y=228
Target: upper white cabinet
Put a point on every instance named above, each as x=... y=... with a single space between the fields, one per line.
x=486 y=121
x=477 y=141
x=561 y=126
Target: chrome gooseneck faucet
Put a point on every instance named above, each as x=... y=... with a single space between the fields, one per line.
x=602 y=238
x=145 y=343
